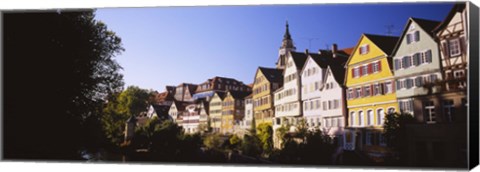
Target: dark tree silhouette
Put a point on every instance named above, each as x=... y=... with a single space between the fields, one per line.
x=58 y=69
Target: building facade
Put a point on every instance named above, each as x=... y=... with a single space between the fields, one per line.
x=267 y=80
x=216 y=111
x=233 y=110
x=209 y=87
x=370 y=94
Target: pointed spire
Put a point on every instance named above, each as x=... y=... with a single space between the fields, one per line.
x=287 y=33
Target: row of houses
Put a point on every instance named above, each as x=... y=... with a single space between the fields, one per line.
x=347 y=92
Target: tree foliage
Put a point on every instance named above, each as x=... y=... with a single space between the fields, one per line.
x=395 y=132
x=265 y=135
x=63 y=62
x=120 y=106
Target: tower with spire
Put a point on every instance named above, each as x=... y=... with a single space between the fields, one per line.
x=287 y=46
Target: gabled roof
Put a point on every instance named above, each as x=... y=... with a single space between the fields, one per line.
x=161 y=109
x=221 y=94
x=272 y=74
x=337 y=67
x=458 y=7
x=425 y=25
x=321 y=59
x=385 y=43
x=180 y=105
x=347 y=51
x=239 y=94
x=299 y=59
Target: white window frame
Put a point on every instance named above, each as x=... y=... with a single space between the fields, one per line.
x=428 y=113
x=454 y=44
x=380 y=116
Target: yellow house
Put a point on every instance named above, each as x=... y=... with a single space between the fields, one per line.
x=233 y=109
x=266 y=81
x=370 y=93
x=216 y=111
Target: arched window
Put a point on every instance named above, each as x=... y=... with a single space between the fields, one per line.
x=380 y=116
x=370 y=117
x=391 y=110
x=360 y=118
x=352 y=118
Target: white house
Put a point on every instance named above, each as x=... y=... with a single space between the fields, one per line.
x=287 y=100
x=191 y=119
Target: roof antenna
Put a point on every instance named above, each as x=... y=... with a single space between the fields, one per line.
x=390 y=28
x=310 y=41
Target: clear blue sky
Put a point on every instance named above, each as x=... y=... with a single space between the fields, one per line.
x=172 y=45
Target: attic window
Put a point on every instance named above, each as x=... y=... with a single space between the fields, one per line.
x=364 y=49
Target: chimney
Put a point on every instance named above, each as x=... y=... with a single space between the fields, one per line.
x=306 y=51
x=334 y=50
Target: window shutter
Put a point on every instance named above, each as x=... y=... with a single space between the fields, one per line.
x=415 y=59
x=382 y=90
x=361 y=70
x=428 y=56
x=398 y=84
x=446 y=53
x=353 y=73
x=367 y=49
x=393 y=87
x=462 y=45
x=408 y=39
x=370 y=69
x=417 y=36
x=379 y=66
x=396 y=64
x=371 y=90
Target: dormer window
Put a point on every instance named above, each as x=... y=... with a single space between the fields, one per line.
x=364 y=49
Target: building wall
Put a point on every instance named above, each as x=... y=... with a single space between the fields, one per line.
x=263 y=113
x=288 y=99
x=215 y=113
x=248 y=119
x=332 y=106
x=173 y=112
x=228 y=111
x=425 y=43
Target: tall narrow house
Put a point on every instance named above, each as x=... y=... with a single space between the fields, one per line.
x=439 y=138
x=216 y=111
x=233 y=110
x=416 y=65
x=266 y=81
x=370 y=94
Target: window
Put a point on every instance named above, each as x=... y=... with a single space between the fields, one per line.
x=408 y=83
x=380 y=116
x=369 y=117
x=388 y=87
x=350 y=94
x=449 y=110
x=366 y=91
x=368 y=138
x=364 y=70
x=458 y=74
x=417 y=36
x=364 y=49
x=360 y=118
x=324 y=105
x=391 y=110
x=428 y=56
x=352 y=118
x=397 y=64
x=407 y=61
x=376 y=66
x=358 y=92
x=409 y=38
x=419 y=81
x=429 y=112
x=454 y=47
x=356 y=72
x=376 y=89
